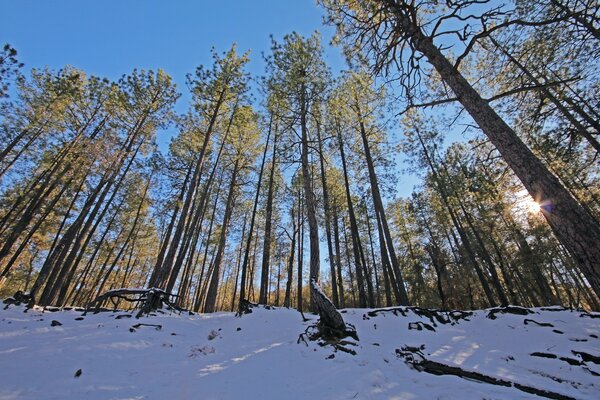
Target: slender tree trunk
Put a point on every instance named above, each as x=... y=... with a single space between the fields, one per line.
x=349 y=263
x=309 y=196
x=162 y=276
x=17 y=253
x=466 y=242
x=169 y=231
x=338 y=261
x=252 y=220
x=326 y=209
x=239 y=263
x=300 y=248
x=81 y=281
x=290 y=265
x=362 y=297
x=486 y=257
x=198 y=294
x=130 y=235
x=374 y=263
x=380 y=210
x=266 y=258
x=198 y=214
x=211 y=295
x=251 y=293
x=82 y=238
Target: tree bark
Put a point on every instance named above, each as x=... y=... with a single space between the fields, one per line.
x=252 y=221
x=387 y=251
x=290 y=265
x=362 y=298
x=309 y=196
x=211 y=295
x=326 y=209
x=266 y=258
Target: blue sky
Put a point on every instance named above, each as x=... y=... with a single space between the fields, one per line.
x=110 y=38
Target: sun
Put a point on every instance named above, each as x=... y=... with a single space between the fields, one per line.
x=531 y=206
x=526 y=203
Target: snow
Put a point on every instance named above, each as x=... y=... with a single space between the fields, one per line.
x=221 y=356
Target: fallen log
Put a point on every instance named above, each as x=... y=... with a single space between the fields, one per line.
x=435 y=316
x=415 y=358
x=516 y=310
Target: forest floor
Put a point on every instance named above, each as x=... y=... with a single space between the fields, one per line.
x=221 y=356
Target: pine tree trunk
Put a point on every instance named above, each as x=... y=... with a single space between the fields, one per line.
x=239 y=263
x=290 y=265
x=362 y=297
x=169 y=231
x=374 y=263
x=199 y=293
x=165 y=269
x=326 y=209
x=309 y=196
x=338 y=260
x=380 y=210
x=300 y=248
x=211 y=295
x=266 y=257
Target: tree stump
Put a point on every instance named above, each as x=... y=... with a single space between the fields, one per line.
x=331 y=324
x=331 y=328
x=18 y=298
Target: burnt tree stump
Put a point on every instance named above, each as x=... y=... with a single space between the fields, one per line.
x=331 y=328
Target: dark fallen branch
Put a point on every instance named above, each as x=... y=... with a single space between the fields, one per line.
x=246 y=307
x=568 y=360
x=556 y=308
x=527 y=321
x=138 y=326
x=415 y=358
x=435 y=316
x=589 y=315
x=395 y=311
x=508 y=310
x=152 y=299
x=69 y=308
x=419 y=326
x=587 y=357
x=543 y=355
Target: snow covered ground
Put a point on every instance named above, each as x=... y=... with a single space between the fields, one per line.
x=220 y=356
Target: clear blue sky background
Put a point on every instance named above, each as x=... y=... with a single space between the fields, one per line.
x=110 y=38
